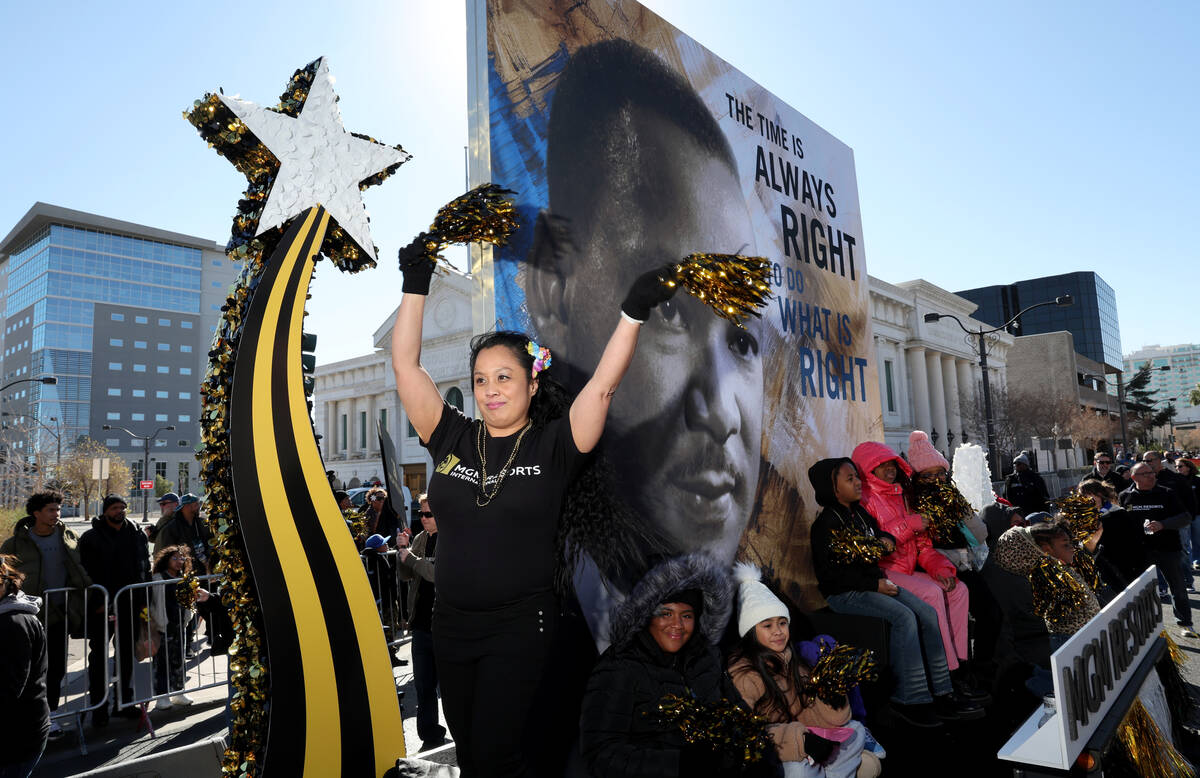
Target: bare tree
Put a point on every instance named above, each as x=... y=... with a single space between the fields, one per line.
x=75 y=473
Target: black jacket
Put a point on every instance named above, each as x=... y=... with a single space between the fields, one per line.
x=115 y=557
x=1123 y=544
x=619 y=734
x=1113 y=479
x=22 y=679
x=1026 y=491
x=835 y=576
x=1181 y=485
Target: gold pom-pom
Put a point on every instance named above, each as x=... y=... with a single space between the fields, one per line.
x=734 y=286
x=1056 y=593
x=1082 y=515
x=483 y=214
x=1085 y=565
x=186 y=590
x=849 y=546
x=944 y=509
x=1148 y=749
x=723 y=726
x=840 y=669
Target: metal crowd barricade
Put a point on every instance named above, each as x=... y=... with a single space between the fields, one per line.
x=383 y=573
x=75 y=685
x=200 y=673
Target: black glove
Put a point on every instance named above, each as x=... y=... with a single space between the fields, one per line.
x=819 y=748
x=417 y=266
x=647 y=291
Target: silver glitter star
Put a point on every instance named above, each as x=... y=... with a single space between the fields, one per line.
x=319 y=162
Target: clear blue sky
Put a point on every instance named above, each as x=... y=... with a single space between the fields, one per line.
x=992 y=144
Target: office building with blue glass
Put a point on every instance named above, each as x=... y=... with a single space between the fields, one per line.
x=122 y=315
x=1091 y=320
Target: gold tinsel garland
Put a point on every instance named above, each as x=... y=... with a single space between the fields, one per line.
x=734 y=286
x=1148 y=749
x=1174 y=651
x=483 y=214
x=849 y=546
x=722 y=726
x=840 y=669
x=1056 y=593
x=944 y=509
x=1082 y=515
x=232 y=139
x=186 y=590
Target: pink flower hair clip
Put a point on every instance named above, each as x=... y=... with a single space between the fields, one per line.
x=541 y=357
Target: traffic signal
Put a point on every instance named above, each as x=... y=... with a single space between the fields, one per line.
x=308 y=360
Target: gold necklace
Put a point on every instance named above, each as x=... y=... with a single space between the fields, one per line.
x=480 y=440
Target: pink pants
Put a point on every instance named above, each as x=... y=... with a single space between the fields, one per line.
x=951 y=608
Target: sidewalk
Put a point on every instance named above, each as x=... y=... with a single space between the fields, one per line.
x=124 y=740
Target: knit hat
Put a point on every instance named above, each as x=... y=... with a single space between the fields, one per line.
x=755 y=600
x=112 y=500
x=1021 y=458
x=921 y=453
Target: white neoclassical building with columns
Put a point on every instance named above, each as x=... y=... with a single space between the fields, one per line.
x=929 y=374
x=351 y=396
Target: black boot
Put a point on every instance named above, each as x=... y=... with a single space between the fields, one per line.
x=966 y=686
x=951 y=707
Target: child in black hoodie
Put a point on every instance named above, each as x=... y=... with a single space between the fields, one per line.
x=846 y=546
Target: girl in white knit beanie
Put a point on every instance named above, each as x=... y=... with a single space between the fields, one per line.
x=813 y=737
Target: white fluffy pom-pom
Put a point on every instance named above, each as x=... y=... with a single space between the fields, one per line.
x=745 y=572
x=972 y=476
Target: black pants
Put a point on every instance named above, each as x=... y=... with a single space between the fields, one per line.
x=1169 y=567
x=56 y=659
x=169 y=673
x=425 y=679
x=98 y=656
x=489 y=666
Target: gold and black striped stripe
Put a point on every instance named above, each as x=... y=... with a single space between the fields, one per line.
x=333 y=710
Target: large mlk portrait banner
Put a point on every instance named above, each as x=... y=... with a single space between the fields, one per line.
x=631 y=145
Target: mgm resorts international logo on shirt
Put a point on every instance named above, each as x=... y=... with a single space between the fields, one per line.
x=453 y=467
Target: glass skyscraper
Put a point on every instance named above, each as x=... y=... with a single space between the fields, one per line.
x=1091 y=320
x=122 y=315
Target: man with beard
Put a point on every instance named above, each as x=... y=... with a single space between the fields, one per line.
x=640 y=174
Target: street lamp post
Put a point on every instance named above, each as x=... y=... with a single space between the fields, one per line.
x=145 y=460
x=1062 y=301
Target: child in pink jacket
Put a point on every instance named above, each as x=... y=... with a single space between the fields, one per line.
x=885 y=477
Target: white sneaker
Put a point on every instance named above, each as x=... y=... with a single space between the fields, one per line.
x=1188 y=632
x=181 y=699
x=163 y=704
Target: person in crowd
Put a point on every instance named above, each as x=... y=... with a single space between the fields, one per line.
x=662 y=642
x=169 y=618
x=47 y=555
x=381 y=517
x=1166 y=475
x=1162 y=515
x=1102 y=470
x=1045 y=554
x=772 y=680
x=189 y=528
x=998 y=517
x=167 y=505
x=1024 y=488
x=22 y=676
x=115 y=553
x=1122 y=556
x=1188 y=474
x=342 y=498
x=417 y=565
x=965 y=547
x=914 y=565
x=847 y=544
x=512 y=467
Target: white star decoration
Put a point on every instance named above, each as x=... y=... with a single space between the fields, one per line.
x=319 y=162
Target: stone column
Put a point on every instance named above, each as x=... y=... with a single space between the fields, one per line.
x=920 y=388
x=937 y=398
x=372 y=442
x=953 y=408
x=329 y=443
x=970 y=406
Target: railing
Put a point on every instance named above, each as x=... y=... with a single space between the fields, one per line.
x=389 y=592
x=73 y=694
x=152 y=680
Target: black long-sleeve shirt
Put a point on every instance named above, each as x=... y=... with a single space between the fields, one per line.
x=1158 y=503
x=835 y=575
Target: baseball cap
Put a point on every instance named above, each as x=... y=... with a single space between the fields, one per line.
x=168 y=497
